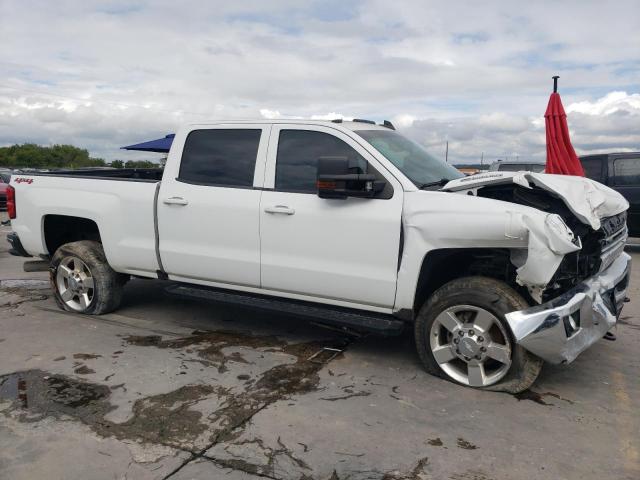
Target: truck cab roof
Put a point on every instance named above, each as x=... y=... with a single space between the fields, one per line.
x=356 y=124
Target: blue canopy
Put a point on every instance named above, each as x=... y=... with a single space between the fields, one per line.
x=161 y=145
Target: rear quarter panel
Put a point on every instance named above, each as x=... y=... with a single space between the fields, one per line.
x=123 y=211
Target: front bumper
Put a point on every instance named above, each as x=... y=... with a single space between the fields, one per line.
x=559 y=330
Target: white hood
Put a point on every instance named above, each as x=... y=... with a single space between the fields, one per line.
x=590 y=201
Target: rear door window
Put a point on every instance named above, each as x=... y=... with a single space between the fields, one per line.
x=220 y=157
x=627 y=171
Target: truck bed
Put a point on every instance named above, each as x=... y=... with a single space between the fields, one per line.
x=121 y=203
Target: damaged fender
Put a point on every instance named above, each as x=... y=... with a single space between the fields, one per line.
x=548 y=243
x=537 y=240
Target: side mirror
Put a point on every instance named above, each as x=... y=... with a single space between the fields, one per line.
x=335 y=181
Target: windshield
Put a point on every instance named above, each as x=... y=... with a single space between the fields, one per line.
x=409 y=157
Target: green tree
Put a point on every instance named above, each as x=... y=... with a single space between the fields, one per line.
x=30 y=155
x=117 y=164
x=140 y=164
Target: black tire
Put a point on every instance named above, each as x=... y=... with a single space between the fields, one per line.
x=108 y=284
x=493 y=296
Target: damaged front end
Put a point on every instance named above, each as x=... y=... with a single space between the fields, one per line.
x=574 y=265
x=548 y=245
x=559 y=330
x=583 y=299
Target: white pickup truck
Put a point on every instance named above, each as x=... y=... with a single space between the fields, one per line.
x=349 y=223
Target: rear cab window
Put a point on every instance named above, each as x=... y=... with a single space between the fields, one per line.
x=220 y=157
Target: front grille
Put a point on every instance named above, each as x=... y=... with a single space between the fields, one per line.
x=615 y=233
x=599 y=250
x=616 y=223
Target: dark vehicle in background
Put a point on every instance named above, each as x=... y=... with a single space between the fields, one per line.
x=620 y=171
x=501 y=166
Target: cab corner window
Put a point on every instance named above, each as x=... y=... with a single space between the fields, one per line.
x=220 y=157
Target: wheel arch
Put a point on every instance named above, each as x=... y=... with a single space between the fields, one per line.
x=440 y=266
x=60 y=229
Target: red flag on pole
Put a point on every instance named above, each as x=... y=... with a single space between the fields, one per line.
x=561 y=157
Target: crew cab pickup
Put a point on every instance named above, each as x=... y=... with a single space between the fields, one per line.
x=349 y=223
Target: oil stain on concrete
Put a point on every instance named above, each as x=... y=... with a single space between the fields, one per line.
x=173 y=418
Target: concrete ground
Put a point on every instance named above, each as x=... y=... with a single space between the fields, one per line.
x=174 y=388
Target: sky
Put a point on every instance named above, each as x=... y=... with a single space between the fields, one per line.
x=100 y=75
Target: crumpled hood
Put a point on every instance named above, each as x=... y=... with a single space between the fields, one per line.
x=589 y=200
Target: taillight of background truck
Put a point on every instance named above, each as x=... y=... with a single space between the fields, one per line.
x=11 y=202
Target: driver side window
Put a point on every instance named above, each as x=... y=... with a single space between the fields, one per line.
x=297 y=159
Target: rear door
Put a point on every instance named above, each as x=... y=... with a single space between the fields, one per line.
x=626 y=180
x=208 y=205
x=329 y=249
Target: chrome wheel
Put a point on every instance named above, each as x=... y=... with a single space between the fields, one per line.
x=470 y=345
x=75 y=283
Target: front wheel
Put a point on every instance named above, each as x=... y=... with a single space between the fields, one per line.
x=83 y=281
x=461 y=334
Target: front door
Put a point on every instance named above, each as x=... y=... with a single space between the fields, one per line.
x=345 y=250
x=208 y=205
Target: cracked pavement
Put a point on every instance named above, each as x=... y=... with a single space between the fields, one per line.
x=172 y=388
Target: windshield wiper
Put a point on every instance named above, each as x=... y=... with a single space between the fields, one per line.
x=439 y=183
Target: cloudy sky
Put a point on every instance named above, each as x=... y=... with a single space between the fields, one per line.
x=101 y=75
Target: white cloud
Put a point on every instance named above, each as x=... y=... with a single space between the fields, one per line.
x=330 y=116
x=270 y=114
x=403 y=120
x=101 y=76
x=609 y=123
x=611 y=103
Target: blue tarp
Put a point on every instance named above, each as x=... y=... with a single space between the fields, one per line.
x=161 y=145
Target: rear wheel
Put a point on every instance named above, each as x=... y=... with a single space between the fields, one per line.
x=83 y=281
x=462 y=335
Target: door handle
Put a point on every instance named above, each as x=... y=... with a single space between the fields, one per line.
x=175 y=201
x=280 y=209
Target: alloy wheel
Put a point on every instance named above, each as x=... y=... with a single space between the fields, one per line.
x=470 y=345
x=75 y=283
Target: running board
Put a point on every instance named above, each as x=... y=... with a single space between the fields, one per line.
x=356 y=319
